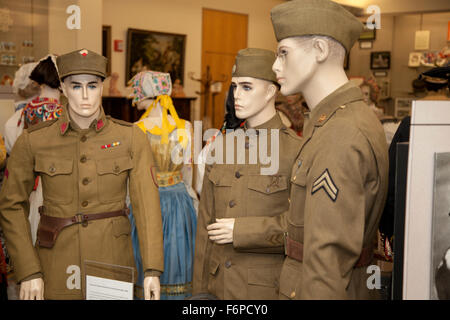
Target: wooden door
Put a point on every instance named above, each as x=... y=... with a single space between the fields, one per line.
x=223 y=35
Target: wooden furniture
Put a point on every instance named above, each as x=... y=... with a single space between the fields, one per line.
x=121 y=108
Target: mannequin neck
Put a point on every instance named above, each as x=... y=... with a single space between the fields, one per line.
x=156 y=112
x=267 y=113
x=83 y=122
x=49 y=92
x=328 y=77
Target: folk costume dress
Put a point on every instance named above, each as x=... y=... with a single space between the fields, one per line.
x=171 y=148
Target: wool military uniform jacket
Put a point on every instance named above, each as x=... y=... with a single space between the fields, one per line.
x=82 y=171
x=249 y=268
x=338 y=190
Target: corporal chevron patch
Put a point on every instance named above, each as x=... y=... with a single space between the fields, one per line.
x=326 y=183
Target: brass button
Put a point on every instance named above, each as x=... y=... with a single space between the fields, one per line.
x=323 y=116
x=83 y=159
x=85 y=203
x=232 y=203
x=295 y=177
x=85 y=181
x=83 y=139
x=237 y=174
x=52 y=169
x=343 y=106
x=227 y=264
x=116 y=169
x=289 y=200
x=293 y=295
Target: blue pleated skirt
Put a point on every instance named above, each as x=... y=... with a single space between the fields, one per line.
x=179 y=222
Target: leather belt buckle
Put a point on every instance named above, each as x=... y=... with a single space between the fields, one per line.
x=81 y=218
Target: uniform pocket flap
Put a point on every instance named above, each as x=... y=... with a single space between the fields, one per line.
x=299 y=177
x=266 y=276
x=121 y=226
x=213 y=267
x=267 y=184
x=220 y=178
x=53 y=166
x=114 y=166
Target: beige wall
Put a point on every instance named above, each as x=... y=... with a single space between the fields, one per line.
x=184 y=17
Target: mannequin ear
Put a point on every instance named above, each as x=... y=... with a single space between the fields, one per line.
x=63 y=87
x=271 y=91
x=322 y=50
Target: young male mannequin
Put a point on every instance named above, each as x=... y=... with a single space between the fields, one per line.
x=84 y=159
x=340 y=176
x=239 y=243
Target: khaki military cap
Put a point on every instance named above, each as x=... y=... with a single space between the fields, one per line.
x=316 y=17
x=81 y=62
x=255 y=63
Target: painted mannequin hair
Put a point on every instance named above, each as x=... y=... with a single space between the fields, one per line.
x=45 y=73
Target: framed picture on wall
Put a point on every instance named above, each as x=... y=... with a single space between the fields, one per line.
x=156 y=51
x=402 y=107
x=380 y=60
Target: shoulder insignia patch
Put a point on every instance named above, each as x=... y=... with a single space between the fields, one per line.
x=326 y=183
x=122 y=122
x=40 y=125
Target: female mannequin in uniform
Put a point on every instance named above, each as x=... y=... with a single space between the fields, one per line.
x=170 y=142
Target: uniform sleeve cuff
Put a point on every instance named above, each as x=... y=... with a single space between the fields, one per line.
x=152 y=273
x=32 y=277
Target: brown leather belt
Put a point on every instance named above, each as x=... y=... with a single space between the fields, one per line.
x=50 y=227
x=294 y=249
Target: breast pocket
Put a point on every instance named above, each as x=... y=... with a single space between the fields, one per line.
x=112 y=178
x=222 y=180
x=267 y=194
x=57 y=178
x=298 y=196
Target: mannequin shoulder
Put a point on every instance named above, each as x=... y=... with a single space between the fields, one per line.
x=290 y=135
x=120 y=122
x=40 y=125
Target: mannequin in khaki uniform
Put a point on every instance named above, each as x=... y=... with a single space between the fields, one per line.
x=339 y=180
x=85 y=160
x=239 y=243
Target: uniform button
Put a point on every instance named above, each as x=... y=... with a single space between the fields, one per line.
x=232 y=203
x=83 y=139
x=85 y=181
x=342 y=107
x=237 y=174
x=227 y=264
x=116 y=169
x=293 y=295
x=289 y=200
x=52 y=169
x=83 y=159
x=85 y=203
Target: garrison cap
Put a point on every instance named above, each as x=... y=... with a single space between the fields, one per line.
x=255 y=63
x=81 y=62
x=316 y=17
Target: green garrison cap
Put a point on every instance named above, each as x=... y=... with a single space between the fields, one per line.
x=81 y=62
x=255 y=63
x=316 y=17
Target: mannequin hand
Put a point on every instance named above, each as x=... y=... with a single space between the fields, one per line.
x=32 y=289
x=222 y=231
x=152 y=288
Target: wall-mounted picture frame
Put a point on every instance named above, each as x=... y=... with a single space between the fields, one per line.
x=365 y=44
x=414 y=59
x=156 y=51
x=380 y=60
x=367 y=34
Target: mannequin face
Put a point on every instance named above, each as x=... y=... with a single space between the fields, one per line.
x=251 y=96
x=144 y=104
x=84 y=93
x=366 y=94
x=294 y=65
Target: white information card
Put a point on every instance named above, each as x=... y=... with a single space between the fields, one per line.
x=106 y=289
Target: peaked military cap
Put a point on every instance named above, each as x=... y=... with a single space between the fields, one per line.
x=441 y=73
x=255 y=63
x=316 y=17
x=81 y=62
